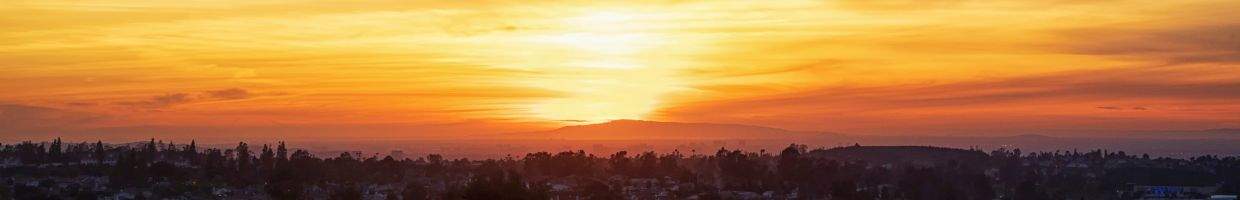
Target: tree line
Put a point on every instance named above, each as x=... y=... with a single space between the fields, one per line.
x=277 y=172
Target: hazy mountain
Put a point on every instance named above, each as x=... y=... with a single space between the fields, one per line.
x=652 y=130
x=1189 y=134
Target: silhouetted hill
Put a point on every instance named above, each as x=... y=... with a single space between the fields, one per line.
x=899 y=154
x=646 y=130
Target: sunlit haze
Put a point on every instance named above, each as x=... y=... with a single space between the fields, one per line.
x=124 y=70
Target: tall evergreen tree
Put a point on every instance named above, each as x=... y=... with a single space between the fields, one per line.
x=243 y=156
x=55 y=152
x=266 y=160
x=281 y=153
x=100 y=152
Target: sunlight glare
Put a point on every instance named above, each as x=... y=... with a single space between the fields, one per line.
x=611 y=39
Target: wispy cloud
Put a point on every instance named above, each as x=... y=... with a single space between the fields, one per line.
x=229 y=94
x=174 y=99
x=160 y=101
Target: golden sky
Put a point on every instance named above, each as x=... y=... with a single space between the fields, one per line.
x=128 y=68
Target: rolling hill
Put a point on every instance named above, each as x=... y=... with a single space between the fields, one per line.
x=652 y=130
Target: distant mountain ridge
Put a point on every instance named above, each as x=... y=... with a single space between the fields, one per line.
x=1220 y=133
x=648 y=130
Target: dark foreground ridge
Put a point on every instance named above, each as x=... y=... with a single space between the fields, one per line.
x=919 y=155
x=157 y=170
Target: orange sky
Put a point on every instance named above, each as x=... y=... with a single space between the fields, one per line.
x=317 y=68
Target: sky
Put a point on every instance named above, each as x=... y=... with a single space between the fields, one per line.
x=128 y=69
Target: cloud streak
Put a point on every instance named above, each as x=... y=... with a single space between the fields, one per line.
x=1019 y=103
x=174 y=99
x=229 y=94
